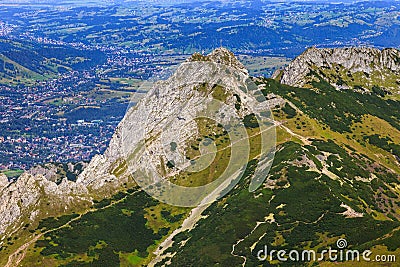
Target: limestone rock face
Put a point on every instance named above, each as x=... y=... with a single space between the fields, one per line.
x=49 y=173
x=41 y=190
x=3 y=181
x=366 y=61
x=23 y=197
x=56 y=172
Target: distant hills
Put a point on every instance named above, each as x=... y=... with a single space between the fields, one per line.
x=23 y=62
x=246 y=27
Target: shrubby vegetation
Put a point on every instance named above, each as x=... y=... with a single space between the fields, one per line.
x=338 y=109
x=290 y=112
x=306 y=214
x=102 y=234
x=385 y=143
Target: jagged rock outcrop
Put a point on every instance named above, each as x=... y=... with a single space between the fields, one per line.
x=57 y=172
x=25 y=198
x=49 y=172
x=220 y=55
x=338 y=64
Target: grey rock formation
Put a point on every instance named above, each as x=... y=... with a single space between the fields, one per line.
x=50 y=172
x=3 y=181
x=57 y=172
x=25 y=197
x=363 y=60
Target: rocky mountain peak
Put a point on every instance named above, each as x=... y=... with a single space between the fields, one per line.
x=159 y=137
x=220 y=55
x=345 y=67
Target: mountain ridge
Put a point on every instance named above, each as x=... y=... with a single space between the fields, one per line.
x=345 y=67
